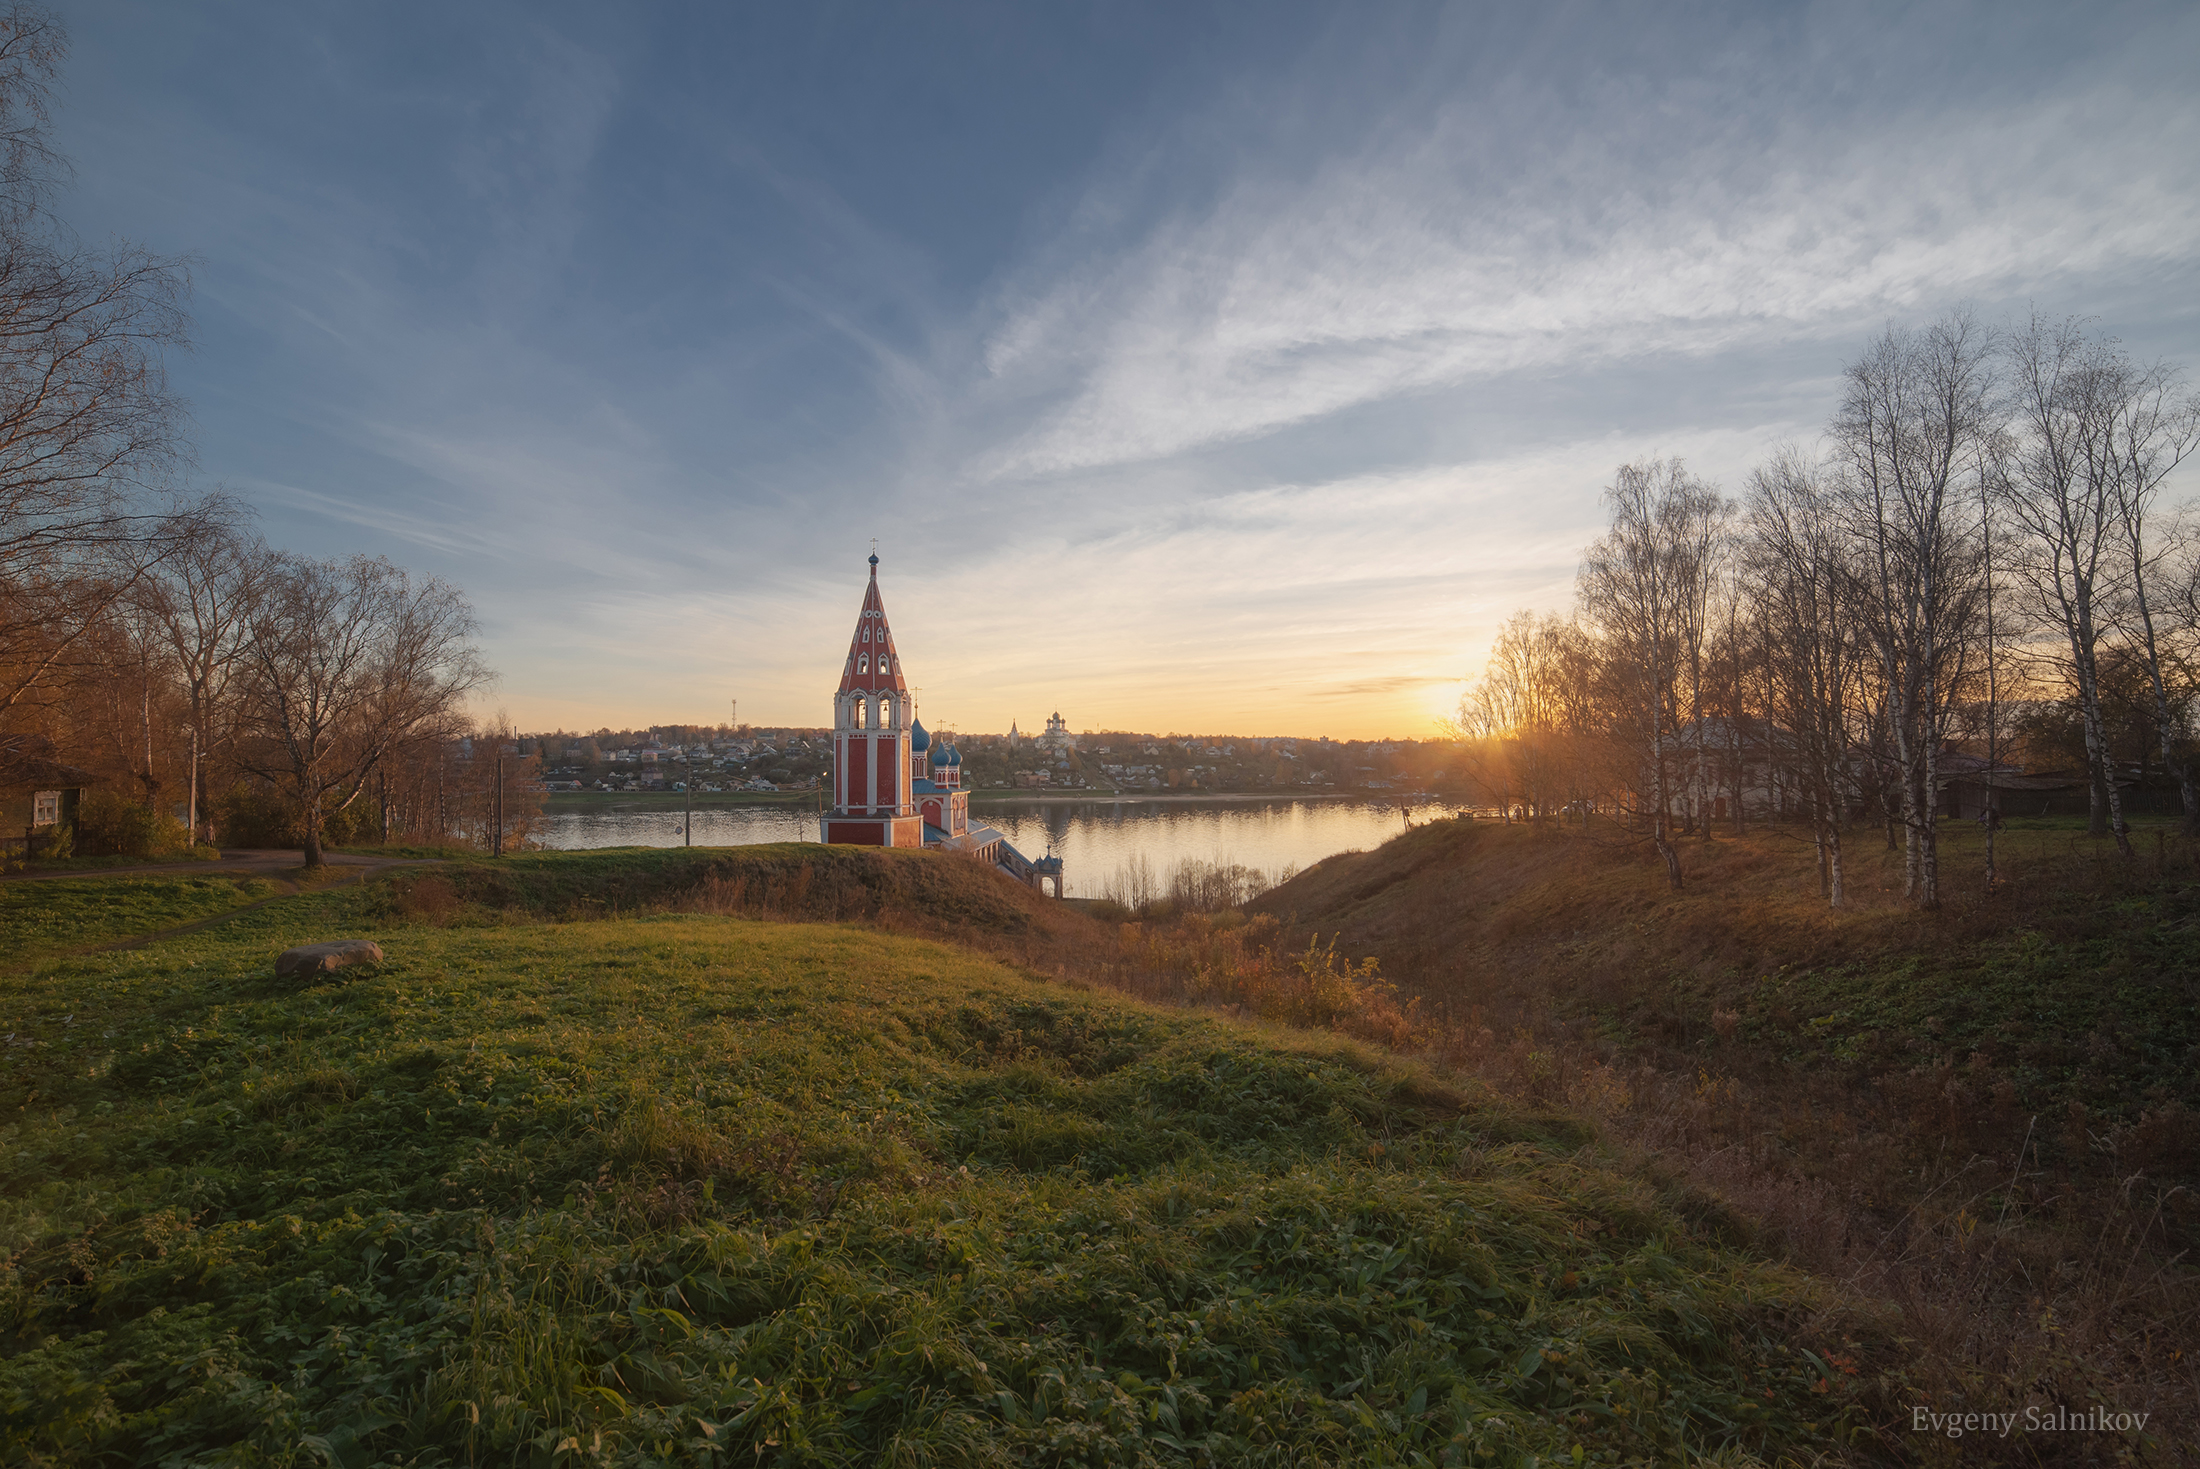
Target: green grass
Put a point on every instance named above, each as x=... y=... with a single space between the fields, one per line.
x=715 y=1190
x=62 y=914
x=105 y=862
x=2075 y=984
x=783 y=879
x=2105 y=1021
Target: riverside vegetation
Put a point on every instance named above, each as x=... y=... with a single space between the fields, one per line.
x=724 y=1157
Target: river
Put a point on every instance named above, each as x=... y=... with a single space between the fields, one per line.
x=1105 y=844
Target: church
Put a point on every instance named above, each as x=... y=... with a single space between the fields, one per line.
x=893 y=784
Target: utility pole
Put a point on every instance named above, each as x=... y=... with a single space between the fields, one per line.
x=497 y=847
x=687 y=807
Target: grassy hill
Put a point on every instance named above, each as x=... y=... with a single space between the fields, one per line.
x=2076 y=984
x=684 y=1187
x=59 y=915
x=1988 y=1116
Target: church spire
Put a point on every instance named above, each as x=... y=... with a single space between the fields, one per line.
x=874 y=666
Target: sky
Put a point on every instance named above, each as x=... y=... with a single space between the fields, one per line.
x=1210 y=368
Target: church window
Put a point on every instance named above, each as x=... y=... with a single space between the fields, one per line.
x=863 y=663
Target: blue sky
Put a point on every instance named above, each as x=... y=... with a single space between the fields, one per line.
x=1226 y=368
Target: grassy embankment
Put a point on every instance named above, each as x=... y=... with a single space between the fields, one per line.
x=109 y=861
x=1986 y=1115
x=57 y=915
x=705 y=1189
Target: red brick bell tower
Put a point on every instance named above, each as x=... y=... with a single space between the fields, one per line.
x=872 y=713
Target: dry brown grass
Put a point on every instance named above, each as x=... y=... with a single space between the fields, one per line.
x=2039 y=1252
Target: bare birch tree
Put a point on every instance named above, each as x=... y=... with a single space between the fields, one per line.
x=1643 y=586
x=2153 y=426
x=2060 y=493
x=1916 y=407
x=1519 y=711
x=198 y=606
x=1802 y=587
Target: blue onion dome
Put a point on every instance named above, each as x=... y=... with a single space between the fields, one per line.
x=918 y=740
x=954 y=756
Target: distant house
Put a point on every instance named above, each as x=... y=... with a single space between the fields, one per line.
x=38 y=794
x=1971 y=784
x=1714 y=761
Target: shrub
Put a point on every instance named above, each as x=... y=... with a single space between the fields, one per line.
x=255 y=816
x=250 y=815
x=1227 y=958
x=109 y=824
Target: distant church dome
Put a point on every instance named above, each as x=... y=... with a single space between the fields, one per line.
x=919 y=741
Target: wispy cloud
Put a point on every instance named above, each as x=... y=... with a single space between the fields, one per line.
x=1255 y=406
x=1389 y=270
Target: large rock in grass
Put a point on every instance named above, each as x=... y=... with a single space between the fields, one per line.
x=308 y=960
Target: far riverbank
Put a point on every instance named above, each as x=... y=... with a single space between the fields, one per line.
x=673 y=800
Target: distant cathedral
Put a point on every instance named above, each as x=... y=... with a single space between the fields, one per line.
x=1057 y=738
x=893 y=785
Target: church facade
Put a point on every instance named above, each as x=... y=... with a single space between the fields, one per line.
x=874 y=796
x=894 y=785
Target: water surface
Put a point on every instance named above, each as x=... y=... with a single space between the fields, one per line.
x=1100 y=841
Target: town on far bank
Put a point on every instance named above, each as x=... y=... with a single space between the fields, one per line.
x=739 y=759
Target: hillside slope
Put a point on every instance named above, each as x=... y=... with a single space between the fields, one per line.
x=1988 y=1117
x=2077 y=983
x=680 y=1188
